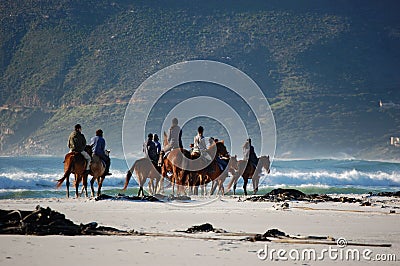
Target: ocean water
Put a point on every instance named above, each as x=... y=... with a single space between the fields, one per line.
x=35 y=177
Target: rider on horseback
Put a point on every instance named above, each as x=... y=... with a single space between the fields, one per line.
x=200 y=146
x=77 y=143
x=99 y=148
x=200 y=149
x=174 y=137
x=150 y=149
x=174 y=140
x=249 y=153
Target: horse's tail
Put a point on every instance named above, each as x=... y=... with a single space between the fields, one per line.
x=67 y=169
x=128 y=176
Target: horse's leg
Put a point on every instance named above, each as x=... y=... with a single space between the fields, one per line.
x=173 y=184
x=255 y=184
x=78 y=179
x=245 y=180
x=151 y=186
x=196 y=184
x=213 y=187
x=91 y=186
x=173 y=180
x=100 y=184
x=161 y=185
x=157 y=190
x=67 y=184
x=85 y=178
x=204 y=188
x=140 y=179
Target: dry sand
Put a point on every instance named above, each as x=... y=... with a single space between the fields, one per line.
x=373 y=225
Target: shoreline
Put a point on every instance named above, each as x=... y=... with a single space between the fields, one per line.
x=363 y=224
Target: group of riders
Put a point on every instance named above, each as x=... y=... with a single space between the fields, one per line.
x=198 y=149
x=152 y=147
x=77 y=143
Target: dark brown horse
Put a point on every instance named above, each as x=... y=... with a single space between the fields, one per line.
x=144 y=169
x=212 y=172
x=75 y=163
x=250 y=172
x=219 y=181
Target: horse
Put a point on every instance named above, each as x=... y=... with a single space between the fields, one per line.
x=75 y=163
x=219 y=181
x=144 y=169
x=170 y=165
x=97 y=169
x=248 y=171
x=212 y=172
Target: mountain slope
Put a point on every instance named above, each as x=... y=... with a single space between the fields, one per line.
x=323 y=67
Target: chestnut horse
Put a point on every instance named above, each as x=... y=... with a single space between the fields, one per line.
x=212 y=172
x=170 y=165
x=250 y=172
x=144 y=169
x=75 y=163
x=97 y=169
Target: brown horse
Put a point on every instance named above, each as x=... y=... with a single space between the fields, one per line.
x=144 y=169
x=170 y=164
x=212 y=171
x=249 y=172
x=75 y=163
x=219 y=181
x=97 y=169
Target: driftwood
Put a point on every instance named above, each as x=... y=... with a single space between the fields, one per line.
x=44 y=221
x=155 y=198
x=271 y=235
x=202 y=228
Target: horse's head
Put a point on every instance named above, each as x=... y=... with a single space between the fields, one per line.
x=233 y=163
x=265 y=163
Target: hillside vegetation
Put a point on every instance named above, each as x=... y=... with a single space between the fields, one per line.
x=323 y=67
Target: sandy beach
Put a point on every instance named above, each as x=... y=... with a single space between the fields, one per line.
x=357 y=224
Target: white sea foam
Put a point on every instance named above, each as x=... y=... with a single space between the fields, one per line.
x=42 y=173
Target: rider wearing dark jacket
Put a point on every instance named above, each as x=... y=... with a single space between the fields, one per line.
x=150 y=149
x=77 y=143
x=250 y=154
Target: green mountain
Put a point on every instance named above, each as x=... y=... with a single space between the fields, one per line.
x=323 y=66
